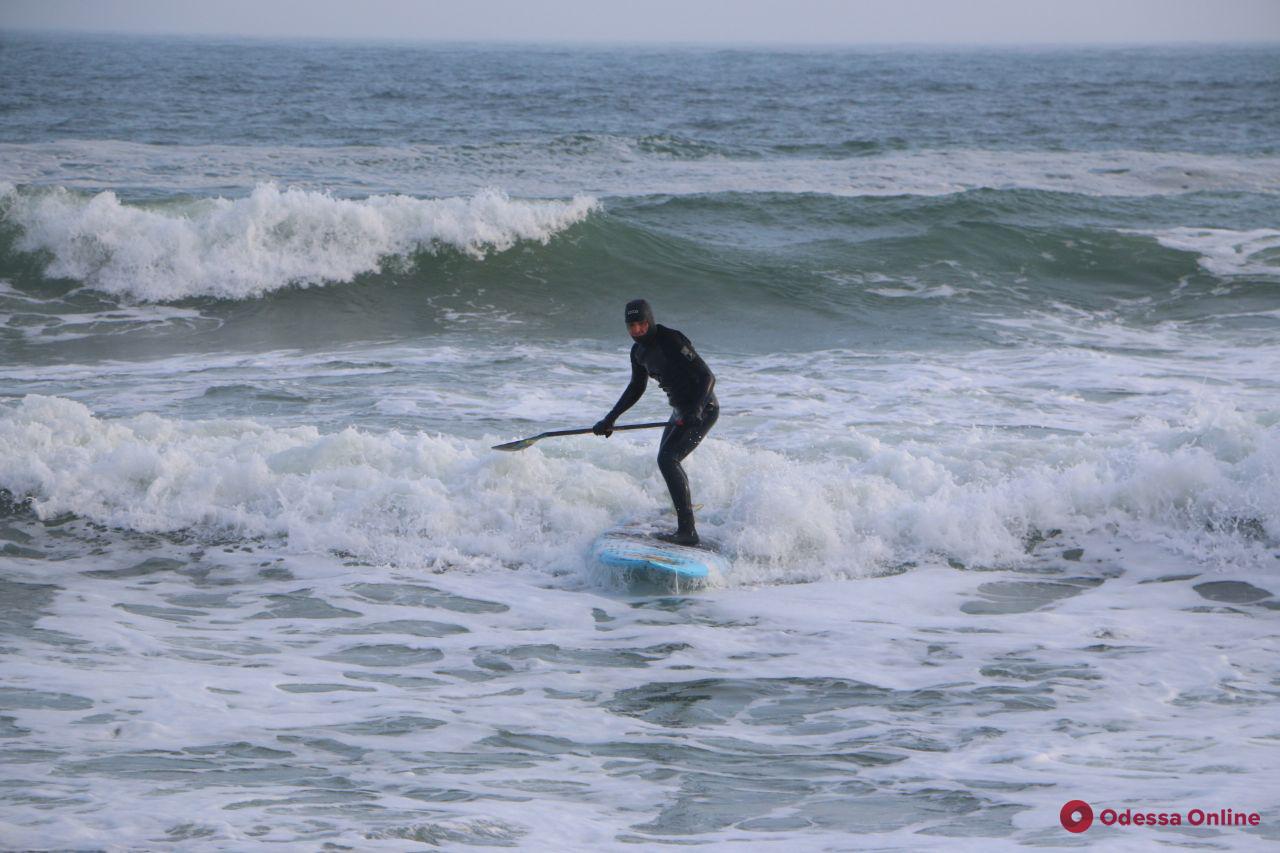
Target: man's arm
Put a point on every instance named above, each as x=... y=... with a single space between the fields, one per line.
x=633 y=392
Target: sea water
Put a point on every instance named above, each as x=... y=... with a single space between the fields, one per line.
x=997 y=342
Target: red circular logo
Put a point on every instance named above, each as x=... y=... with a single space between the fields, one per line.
x=1076 y=816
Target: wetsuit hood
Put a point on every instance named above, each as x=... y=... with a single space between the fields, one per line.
x=638 y=311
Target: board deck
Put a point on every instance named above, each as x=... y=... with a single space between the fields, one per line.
x=632 y=549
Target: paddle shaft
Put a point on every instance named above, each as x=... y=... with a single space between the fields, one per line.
x=591 y=429
x=525 y=442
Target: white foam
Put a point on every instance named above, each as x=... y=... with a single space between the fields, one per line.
x=942 y=291
x=272 y=239
x=1128 y=693
x=72 y=325
x=416 y=499
x=1225 y=252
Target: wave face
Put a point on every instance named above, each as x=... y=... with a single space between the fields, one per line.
x=962 y=270
x=235 y=249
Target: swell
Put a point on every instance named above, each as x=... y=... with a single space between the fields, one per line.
x=749 y=253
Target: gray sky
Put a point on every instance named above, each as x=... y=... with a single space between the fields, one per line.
x=708 y=21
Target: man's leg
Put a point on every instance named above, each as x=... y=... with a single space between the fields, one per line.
x=677 y=443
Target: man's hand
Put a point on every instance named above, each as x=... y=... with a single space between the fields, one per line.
x=604 y=427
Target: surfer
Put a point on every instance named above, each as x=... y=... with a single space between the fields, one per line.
x=668 y=357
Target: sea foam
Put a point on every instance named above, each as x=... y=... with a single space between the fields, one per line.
x=1200 y=488
x=1225 y=252
x=274 y=238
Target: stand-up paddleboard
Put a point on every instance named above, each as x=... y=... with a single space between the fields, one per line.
x=633 y=550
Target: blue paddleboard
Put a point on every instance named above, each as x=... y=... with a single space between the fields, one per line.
x=632 y=549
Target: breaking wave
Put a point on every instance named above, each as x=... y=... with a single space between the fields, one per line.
x=1202 y=487
x=274 y=238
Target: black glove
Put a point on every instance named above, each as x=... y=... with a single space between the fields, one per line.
x=604 y=427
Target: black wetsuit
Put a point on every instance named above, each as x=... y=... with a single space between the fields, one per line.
x=667 y=356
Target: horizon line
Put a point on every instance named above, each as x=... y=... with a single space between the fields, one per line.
x=632 y=43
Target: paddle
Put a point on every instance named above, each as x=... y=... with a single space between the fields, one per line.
x=526 y=442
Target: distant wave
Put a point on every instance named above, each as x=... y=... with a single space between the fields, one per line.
x=1225 y=252
x=613 y=165
x=247 y=247
x=843 y=149
x=830 y=252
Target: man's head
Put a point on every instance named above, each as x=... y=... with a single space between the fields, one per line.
x=639 y=318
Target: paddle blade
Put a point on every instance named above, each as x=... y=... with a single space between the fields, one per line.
x=515 y=445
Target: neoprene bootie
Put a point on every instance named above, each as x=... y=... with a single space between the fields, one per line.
x=686 y=533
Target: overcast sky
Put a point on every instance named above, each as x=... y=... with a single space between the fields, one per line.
x=703 y=21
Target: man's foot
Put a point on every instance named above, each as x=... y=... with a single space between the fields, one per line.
x=680 y=537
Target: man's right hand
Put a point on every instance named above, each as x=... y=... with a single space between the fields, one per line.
x=604 y=427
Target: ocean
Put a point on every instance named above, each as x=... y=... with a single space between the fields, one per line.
x=997 y=343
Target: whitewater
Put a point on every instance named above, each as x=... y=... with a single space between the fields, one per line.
x=996 y=341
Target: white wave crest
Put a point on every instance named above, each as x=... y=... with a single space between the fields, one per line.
x=1225 y=252
x=234 y=249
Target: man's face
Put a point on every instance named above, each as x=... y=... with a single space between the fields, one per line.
x=638 y=329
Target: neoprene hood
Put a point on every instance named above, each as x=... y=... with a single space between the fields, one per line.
x=638 y=311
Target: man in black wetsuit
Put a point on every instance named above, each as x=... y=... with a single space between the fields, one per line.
x=668 y=357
